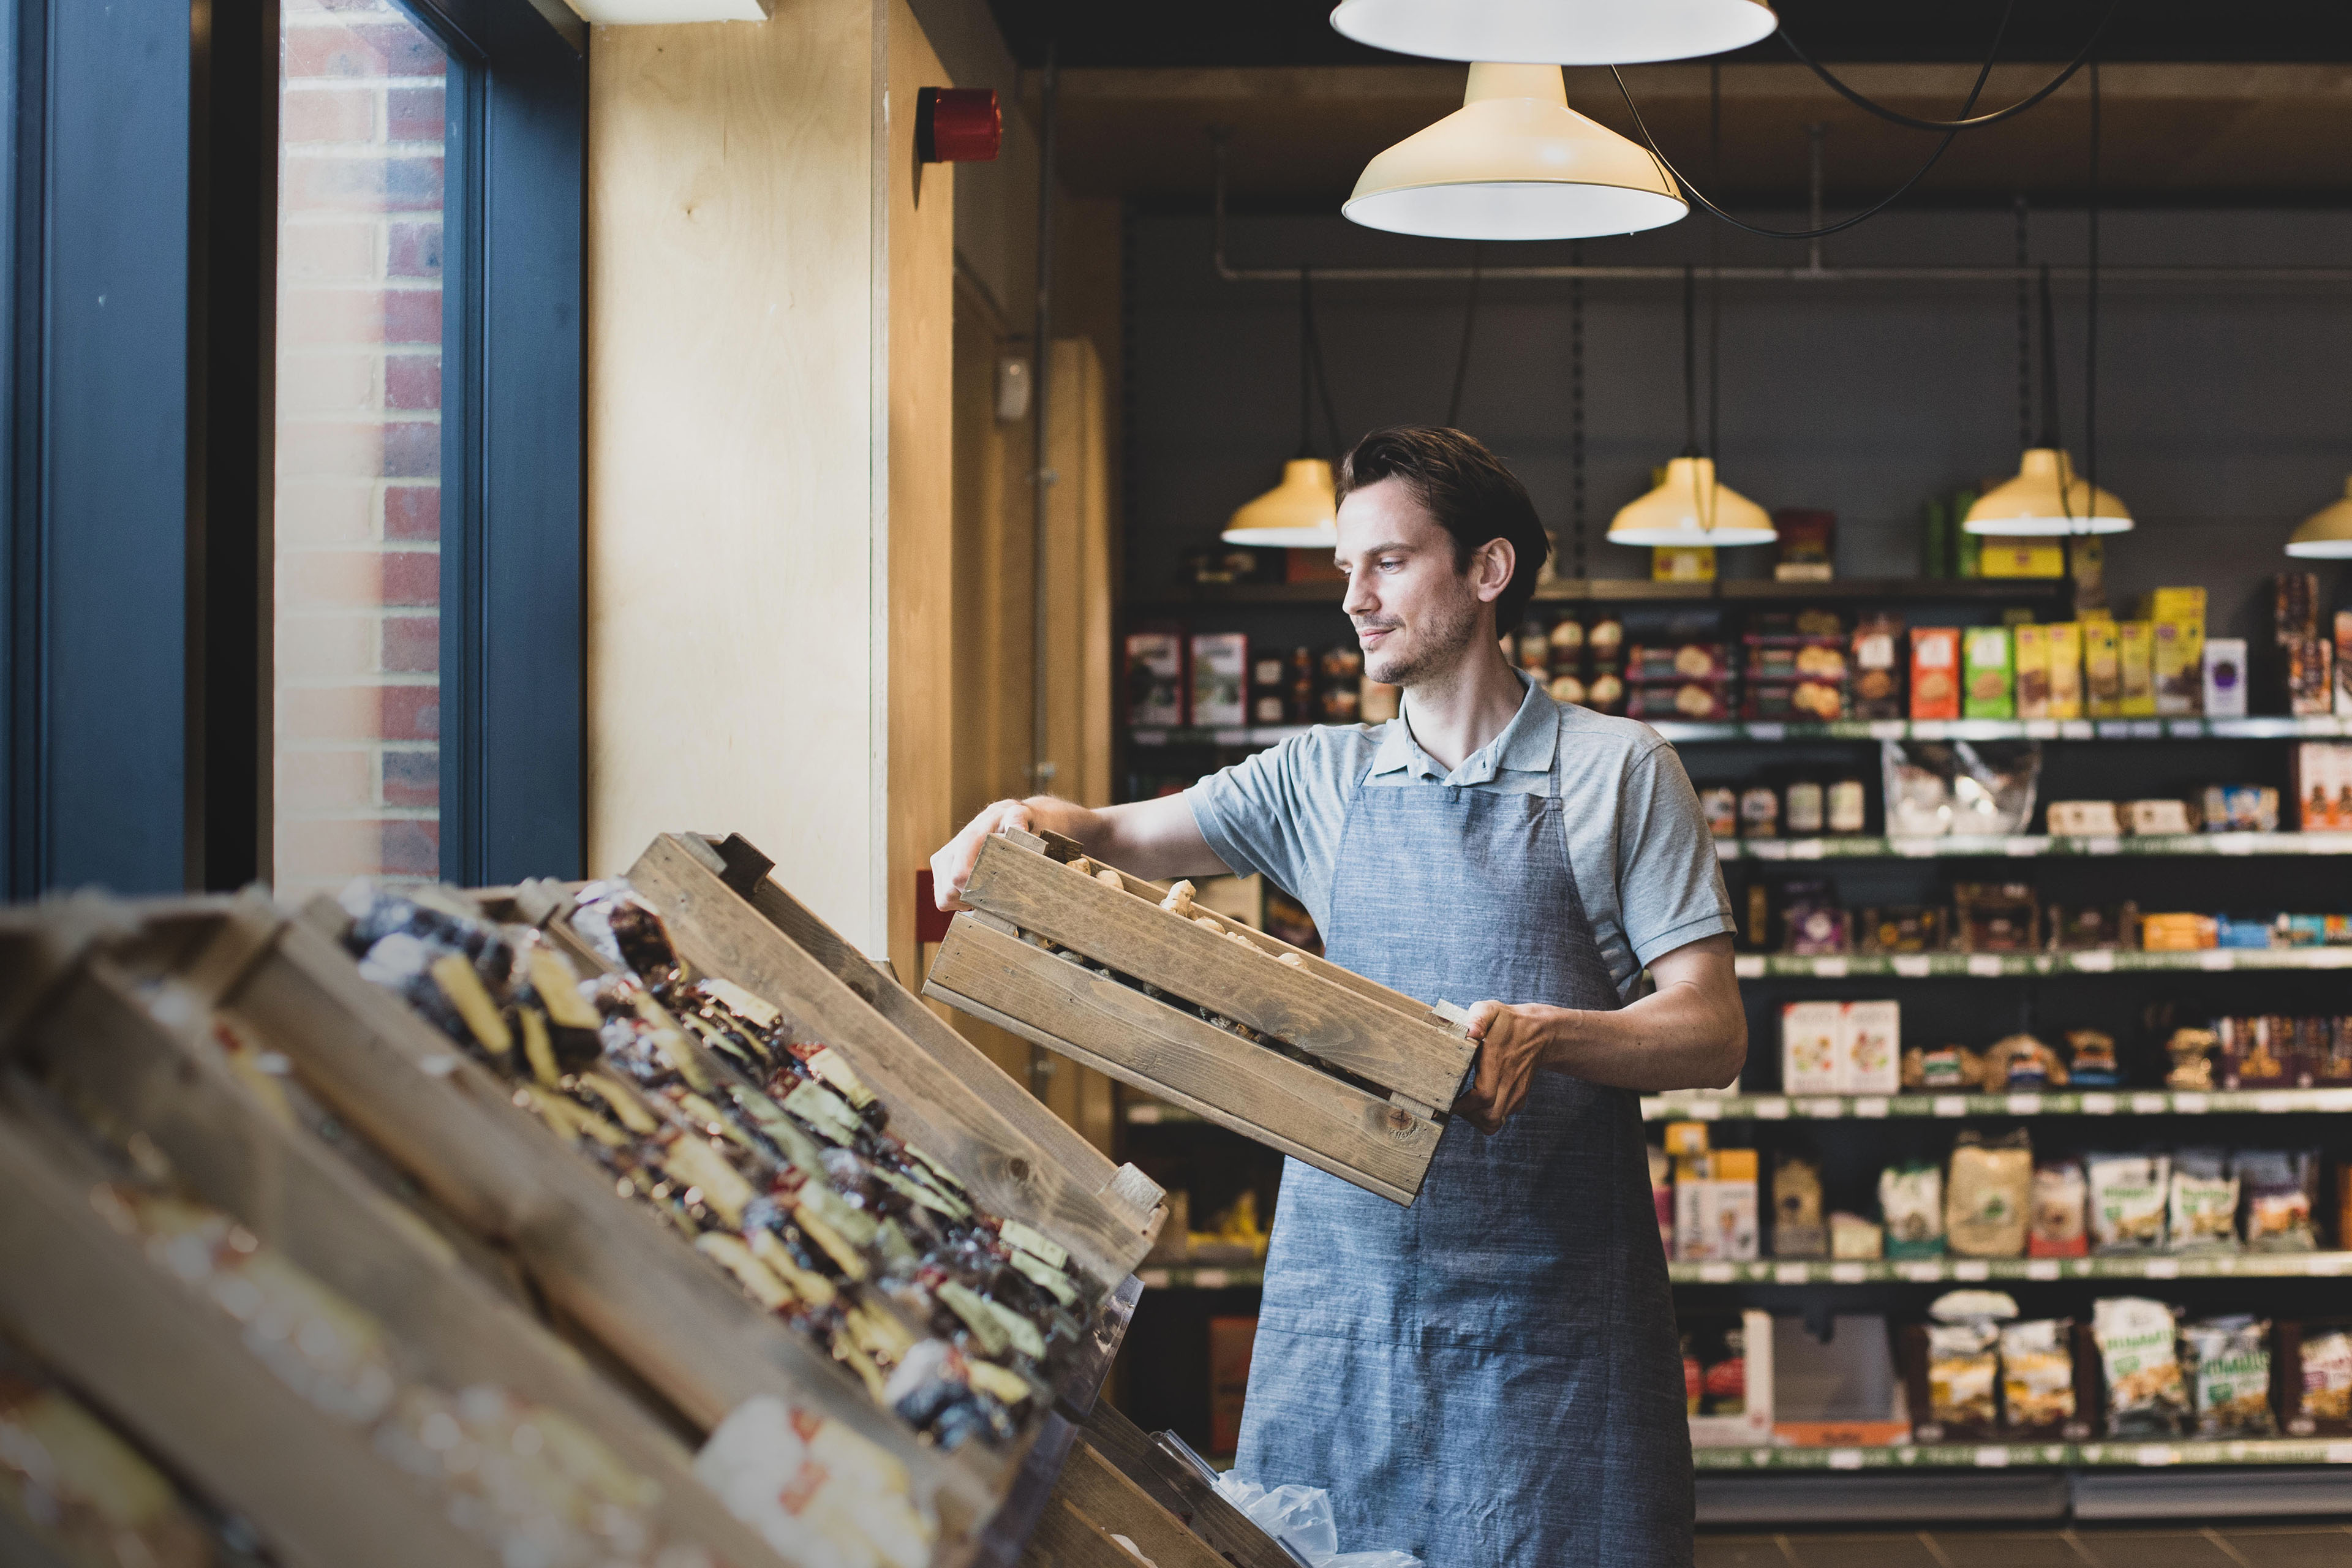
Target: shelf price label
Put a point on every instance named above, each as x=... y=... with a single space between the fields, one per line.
x=1913 y=965
x=1984 y=966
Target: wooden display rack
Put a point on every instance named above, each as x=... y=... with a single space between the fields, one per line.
x=83 y=1298
x=1372 y=1115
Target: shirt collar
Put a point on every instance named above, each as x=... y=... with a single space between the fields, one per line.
x=1526 y=745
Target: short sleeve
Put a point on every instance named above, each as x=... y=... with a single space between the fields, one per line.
x=1670 y=881
x=1280 y=812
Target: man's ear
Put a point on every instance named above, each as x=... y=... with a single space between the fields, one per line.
x=1491 y=567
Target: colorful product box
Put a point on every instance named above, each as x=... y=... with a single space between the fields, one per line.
x=2103 y=690
x=1987 y=674
x=2022 y=558
x=1220 y=683
x=1809 y=1042
x=1934 y=672
x=2179 y=667
x=2175 y=605
x=2065 y=653
x=2136 y=666
x=1869 y=1047
x=2344 y=664
x=2225 y=677
x=1155 y=678
x=2031 y=649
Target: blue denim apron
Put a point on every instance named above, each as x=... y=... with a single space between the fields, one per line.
x=1491 y=1378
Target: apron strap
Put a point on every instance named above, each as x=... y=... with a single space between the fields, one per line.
x=1559 y=745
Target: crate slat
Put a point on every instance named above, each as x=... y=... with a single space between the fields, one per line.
x=1410 y=1053
x=1179 y=1488
x=944 y=1096
x=1275 y=1100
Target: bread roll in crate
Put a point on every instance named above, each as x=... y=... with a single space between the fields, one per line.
x=1204 y=1012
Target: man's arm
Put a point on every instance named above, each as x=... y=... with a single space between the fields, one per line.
x=1691 y=1033
x=1148 y=838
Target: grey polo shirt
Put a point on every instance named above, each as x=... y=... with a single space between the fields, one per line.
x=1643 y=859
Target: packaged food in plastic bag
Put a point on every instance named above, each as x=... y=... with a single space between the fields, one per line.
x=1965 y=787
x=2326 y=1396
x=2057 y=1226
x=2278 y=1186
x=2229 y=1376
x=2144 y=1396
x=2203 y=1210
x=1911 y=1199
x=1963 y=1360
x=2037 y=1372
x=1301 y=1518
x=2128 y=1201
x=1988 y=1195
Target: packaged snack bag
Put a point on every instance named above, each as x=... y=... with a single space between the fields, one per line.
x=2278 y=1187
x=2129 y=1192
x=2057 y=1228
x=2229 y=1375
x=2144 y=1394
x=2065 y=656
x=1911 y=1199
x=1934 y=672
x=2037 y=1372
x=2202 y=1212
x=1989 y=1196
x=2326 y=1392
x=1988 y=671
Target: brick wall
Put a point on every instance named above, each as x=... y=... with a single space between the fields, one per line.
x=359 y=445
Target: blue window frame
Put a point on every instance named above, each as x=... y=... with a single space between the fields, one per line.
x=136 y=287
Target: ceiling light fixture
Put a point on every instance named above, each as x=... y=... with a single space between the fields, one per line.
x=1689 y=509
x=1302 y=511
x=2325 y=534
x=1556 y=32
x=1515 y=162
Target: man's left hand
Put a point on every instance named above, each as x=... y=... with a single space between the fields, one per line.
x=1512 y=1042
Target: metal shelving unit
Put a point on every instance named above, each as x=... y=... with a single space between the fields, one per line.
x=1700 y=1107
x=2007 y=965
x=1968 y=1270
x=2320 y=727
x=2034 y=847
x=2123 y=1454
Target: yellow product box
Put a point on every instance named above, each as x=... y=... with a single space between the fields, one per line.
x=1685 y=1140
x=2065 y=652
x=2178 y=933
x=2022 y=558
x=2179 y=667
x=2103 y=690
x=2033 y=671
x=2175 y=605
x=1675 y=563
x=1735 y=1164
x=2136 y=666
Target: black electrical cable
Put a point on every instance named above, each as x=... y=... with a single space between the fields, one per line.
x=1461 y=359
x=1575 y=410
x=2024 y=336
x=1690 y=360
x=1843 y=224
x=1715 y=263
x=1322 y=373
x=2091 y=343
x=1967 y=122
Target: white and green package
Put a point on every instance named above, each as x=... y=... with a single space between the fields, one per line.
x=2129 y=1192
x=2229 y=1376
x=2145 y=1396
x=2202 y=1214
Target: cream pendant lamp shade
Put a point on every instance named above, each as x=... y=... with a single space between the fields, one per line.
x=2047 y=498
x=2325 y=534
x=1556 y=32
x=1690 y=510
x=1515 y=162
x=1300 y=514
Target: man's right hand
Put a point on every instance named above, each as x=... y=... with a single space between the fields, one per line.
x=951 y=867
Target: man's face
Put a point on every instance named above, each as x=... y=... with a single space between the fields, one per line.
x=1415 y=615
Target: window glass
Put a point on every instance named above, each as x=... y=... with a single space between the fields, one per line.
x=358 y=578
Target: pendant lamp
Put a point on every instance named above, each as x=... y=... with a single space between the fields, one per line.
x=1302 y=511
x=2325 y=534
x=1556 y=32
x=1515 y=162
x=1689 y=509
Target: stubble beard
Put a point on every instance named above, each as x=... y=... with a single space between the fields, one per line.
x=1439 y=642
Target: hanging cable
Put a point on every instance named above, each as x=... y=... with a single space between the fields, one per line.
x=2090 y=336
x=1714 y=262
x=1314 y=350
x=1967 y=122
x=2007 y=8
x=1461 y=361
x=1576 y=411
x=2024 y=337
x=1690 y=360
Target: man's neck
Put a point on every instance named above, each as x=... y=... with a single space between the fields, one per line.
x=1454 y=713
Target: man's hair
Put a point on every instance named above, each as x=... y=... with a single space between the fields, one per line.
x=1470 y=493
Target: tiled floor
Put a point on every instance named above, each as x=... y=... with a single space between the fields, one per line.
x=2084 y=1546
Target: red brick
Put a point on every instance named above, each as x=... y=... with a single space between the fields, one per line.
x=411 y=512
x=411 y=713
x=414 y=114
x=410 y=850
x=412 y=644
x=412 y=778
x=411 y=578
x=340 y=114
x=412 y=381
x=415 y=248
x=363 y=49
x=413 y=316
x=413 y=450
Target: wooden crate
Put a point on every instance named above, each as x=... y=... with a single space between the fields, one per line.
x=1390 y=1067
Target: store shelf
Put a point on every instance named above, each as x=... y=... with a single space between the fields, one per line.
x=2320 y=727
x=1999 y=966
x=2124 y=1454
x=1968 y=1271
x=1642 y=590
x=2034 y=847
x=2061 y=1102
x=1190 y=1277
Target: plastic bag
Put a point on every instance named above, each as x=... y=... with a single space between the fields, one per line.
x=1974 y=789
x=1301 y=1518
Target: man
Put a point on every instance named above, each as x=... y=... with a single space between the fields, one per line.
x=1491 y=1376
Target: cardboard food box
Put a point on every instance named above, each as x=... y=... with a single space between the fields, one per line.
x=2179 y=667
x=1220 y=681
x=2032 y=648
x=1751 y=1426
x=1155 y=678
x=1934 y=672
x=2225 y=677
x=1192 y=1008
x=1987 y=673
x=2022 y=558
x=1715 y=1207
x=2135 y=668
x=2342 y=651
x=1869 y=1047
x=2102 y=678
x=2066 y=657
x=1809 y=1039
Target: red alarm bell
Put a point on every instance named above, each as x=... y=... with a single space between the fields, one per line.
x=958 y=125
